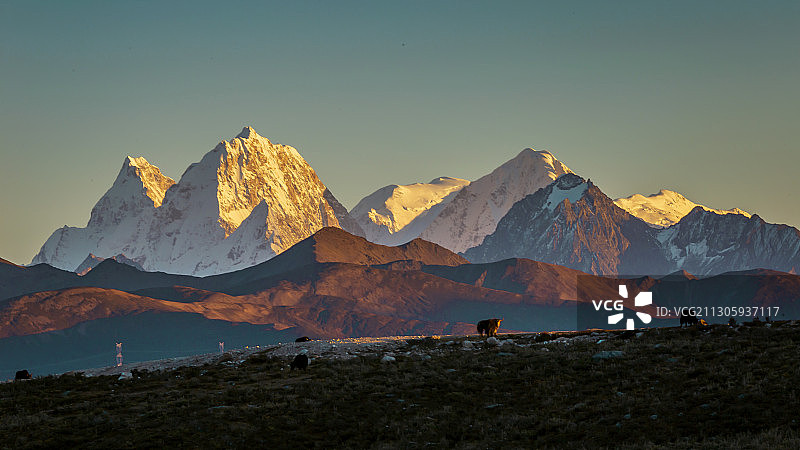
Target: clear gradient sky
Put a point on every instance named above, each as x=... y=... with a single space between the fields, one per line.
x=698 y=97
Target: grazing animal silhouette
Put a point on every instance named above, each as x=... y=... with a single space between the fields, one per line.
x=300 y=362
x=688 y=319
x=489 y=326
x=303 y=339
x=627 y=334
x=23 y=375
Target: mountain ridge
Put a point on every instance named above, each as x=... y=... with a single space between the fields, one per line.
x=334 y=284
x=595 y=235
x=666 y=207
x=395 y=214
x=477 y=208
x=184 y=227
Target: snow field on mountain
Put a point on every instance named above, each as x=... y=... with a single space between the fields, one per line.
x=665 y=208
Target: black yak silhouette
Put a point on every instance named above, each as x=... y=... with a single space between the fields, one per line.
x=489 y=326
x=300 y=362
x=688 y=318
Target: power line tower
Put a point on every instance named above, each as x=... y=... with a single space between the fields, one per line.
x=119 y=354
x=221 y=347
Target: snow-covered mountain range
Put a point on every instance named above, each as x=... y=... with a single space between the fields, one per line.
x=248 y=200
x=244 y=202
x=665 y=208
x=452 y=212
x=573 y=223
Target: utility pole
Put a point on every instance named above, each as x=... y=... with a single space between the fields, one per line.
x=119 y=354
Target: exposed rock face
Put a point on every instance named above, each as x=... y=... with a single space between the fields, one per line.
x=704 y=243
x=475 y=211
x=572 y=223
x=194 y=227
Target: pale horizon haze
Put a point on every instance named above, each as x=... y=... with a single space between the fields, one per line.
x=697 y=97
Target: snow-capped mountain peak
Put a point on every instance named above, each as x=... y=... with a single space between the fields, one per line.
x=236 y=175
x=475 y=211
x=182 y=227
x=665 y=208
x=139 y=186
x=247 y=132
x=396 y=214
x=137 y=192
x=595 y=235
x=154 y=182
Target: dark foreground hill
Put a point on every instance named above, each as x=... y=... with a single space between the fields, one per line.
x=716 y=387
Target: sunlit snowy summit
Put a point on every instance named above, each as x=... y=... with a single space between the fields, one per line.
x=246 y=201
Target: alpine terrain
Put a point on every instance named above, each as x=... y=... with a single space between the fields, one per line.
x=665 y=208
x=477 y=208
x=396 y=214
x=246 y=201
x=573 y=223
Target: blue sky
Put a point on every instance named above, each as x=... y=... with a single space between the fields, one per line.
x=698 y=97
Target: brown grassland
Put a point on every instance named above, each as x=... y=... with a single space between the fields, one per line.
x=717 y=387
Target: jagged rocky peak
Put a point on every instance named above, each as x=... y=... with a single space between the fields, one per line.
x=239 y=173
x=193 y=227
x=589 y=232
x=248 y=132
x=153 y=181
x=219 y=194
x=665 y=208
x=573 y=223
x=138 y=186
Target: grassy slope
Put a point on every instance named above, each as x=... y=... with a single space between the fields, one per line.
x=720 y=388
